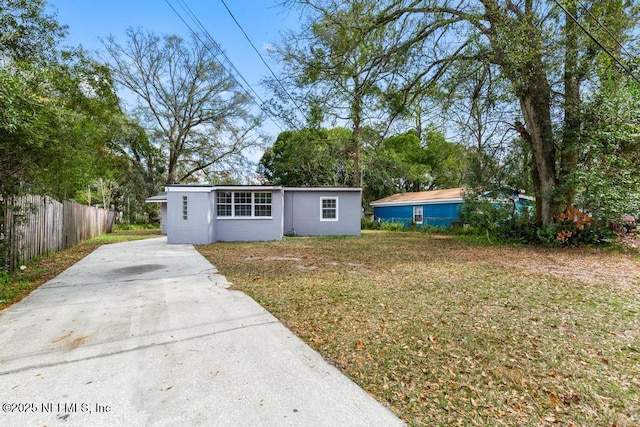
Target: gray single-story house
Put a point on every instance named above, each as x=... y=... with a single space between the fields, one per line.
x=437 y=208
x=202 y=214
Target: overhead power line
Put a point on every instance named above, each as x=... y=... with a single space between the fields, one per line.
x=592 y=37
x=253 y=95
x=262 y=58
x=604 y=28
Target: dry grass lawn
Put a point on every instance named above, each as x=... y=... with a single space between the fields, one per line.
x=449 y=333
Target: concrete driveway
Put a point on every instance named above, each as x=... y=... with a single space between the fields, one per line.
x=145 y=333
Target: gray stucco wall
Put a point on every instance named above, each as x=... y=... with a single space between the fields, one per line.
x=303 y=212
x=197 y=228
x=251 y=229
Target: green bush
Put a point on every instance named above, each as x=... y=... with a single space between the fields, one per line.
x=392 y=226
x=369 y=224
x=568 y=234
x=518 y=231
x=484 y=217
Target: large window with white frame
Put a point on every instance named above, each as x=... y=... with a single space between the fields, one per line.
x=243 y=204
x=328 y=209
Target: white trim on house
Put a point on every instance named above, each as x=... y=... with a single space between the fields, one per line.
x=321 y=189
x=246 y=187
x=188 y=188
x=419 y=202
x=323 y=208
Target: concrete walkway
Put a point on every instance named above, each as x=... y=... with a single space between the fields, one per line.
x=145 y=333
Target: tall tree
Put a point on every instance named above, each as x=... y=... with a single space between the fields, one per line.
x=342 y=64
x=186 y=101
x=27 y=32
x=532 y=44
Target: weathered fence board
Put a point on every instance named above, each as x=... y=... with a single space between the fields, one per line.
x=32 y=226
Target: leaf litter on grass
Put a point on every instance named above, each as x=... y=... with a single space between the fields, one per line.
x=448 y=333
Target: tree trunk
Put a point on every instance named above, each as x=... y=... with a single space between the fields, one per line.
x=572 y=121
x=535 y=101
x=356 y=112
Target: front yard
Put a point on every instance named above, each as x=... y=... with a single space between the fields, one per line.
x=448 y=333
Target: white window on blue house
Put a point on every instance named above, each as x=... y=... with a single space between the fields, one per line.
x=417 y=214
x=328 y=209
x=185 y=207
x=243 y=204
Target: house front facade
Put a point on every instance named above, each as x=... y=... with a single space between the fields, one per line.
x=436 y=208
x=203 y=214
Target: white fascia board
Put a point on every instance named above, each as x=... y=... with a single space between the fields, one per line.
x=188 y=188
x=247 y=187
x=420 y=202
x=324 y=189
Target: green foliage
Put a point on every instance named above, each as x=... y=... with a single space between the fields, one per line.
x=27 y=32
x=393 y=226
x=608 y=182
x=313 y=157
x=369 y=224
x=568 y=234
x=484 y=216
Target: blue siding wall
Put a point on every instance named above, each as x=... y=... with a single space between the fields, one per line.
x=435 y=215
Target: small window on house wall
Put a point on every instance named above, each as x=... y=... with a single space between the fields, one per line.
x=417 y=214
x=329 y=209
x=185 y=207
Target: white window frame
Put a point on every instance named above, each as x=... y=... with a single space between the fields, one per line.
x=322 y=209
x=254 y=204
x=417 y=209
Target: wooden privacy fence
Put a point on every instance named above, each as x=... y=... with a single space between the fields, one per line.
x=31 y=226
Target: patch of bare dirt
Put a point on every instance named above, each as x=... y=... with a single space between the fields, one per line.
x=590 y=265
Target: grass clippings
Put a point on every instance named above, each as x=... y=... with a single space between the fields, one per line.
x=19 y=284
x=448 y=333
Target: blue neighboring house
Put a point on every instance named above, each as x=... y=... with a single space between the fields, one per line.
x=436 y=208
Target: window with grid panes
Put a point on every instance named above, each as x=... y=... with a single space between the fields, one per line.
x=329 y=209
x=242 y=205
x=262 y=204
x=224 y=202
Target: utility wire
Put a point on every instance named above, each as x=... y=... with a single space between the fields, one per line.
x=202 y=28
x=262 y=58
x=605 y=28
x=592 y=37
x=220 y=62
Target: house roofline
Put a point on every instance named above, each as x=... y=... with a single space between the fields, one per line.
x=419 y=202
x=323 y=189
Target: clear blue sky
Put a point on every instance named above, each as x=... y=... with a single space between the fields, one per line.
x=262 y=20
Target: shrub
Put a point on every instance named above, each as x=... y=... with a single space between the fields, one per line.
x=392 y=226
x=484 y=217
x=369 y=224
